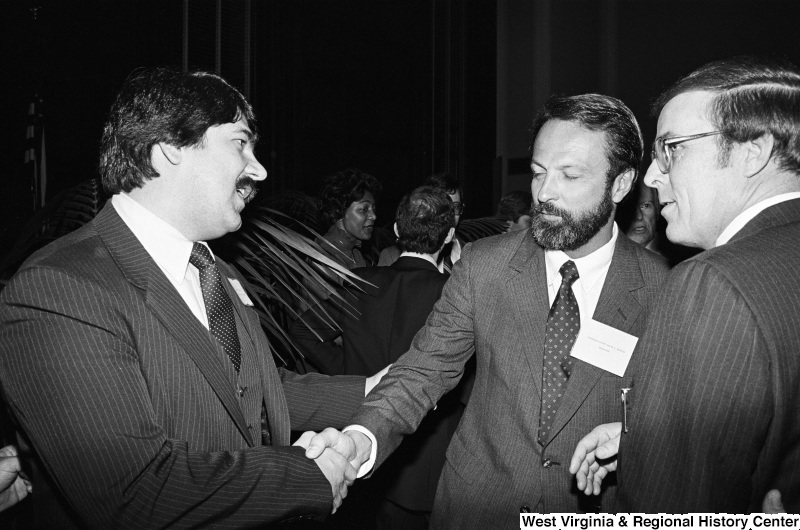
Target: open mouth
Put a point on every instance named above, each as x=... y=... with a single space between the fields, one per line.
x=246 y=189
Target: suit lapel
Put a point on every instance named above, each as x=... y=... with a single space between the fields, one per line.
x=618 y=308
x=528 y=288
x=170 y=309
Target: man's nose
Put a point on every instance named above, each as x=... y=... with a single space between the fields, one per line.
x=255 y=170
x=654 y=176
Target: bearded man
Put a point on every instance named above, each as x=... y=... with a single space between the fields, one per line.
x=517 y=301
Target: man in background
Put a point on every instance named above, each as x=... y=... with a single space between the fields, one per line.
x=643 y=227
x=451 y=254
x=515 y=209
x=517 y=301
x=141 y=380
x=716 y=425
x=374 y=332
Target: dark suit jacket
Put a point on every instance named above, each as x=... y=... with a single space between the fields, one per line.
x=127 y=401
x=497 y=303
x=385 y=318
x=717 y=416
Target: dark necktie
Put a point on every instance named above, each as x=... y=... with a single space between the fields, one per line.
x=219 y=307
x=563 y=324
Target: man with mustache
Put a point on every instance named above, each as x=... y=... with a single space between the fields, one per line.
x=143 y=384
x=516 y=302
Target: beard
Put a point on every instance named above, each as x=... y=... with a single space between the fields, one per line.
x=575 y=228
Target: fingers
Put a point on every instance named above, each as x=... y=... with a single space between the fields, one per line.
x=772 y=502
x=330 y=438
x=339 y=472
x=305 y=439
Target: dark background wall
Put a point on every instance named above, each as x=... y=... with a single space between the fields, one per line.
x=398 y=89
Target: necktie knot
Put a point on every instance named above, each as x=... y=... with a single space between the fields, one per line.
x=569 y=273
x=201 y=257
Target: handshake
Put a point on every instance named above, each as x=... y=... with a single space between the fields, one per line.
x=339 y=456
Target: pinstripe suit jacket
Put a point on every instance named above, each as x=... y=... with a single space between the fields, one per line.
x=717 y=416
x=497 y=303
x=127 y=401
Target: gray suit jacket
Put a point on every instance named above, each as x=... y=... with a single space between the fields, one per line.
x=131 y=408
x=717 y=420
x=497 y=302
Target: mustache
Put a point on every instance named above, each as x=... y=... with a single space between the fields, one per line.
x=248 y=184
x=548 y=209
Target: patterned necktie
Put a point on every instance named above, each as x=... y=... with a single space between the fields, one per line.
x=218 y=304
x=563 y=324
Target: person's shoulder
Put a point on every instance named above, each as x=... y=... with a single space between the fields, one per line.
x=502 y=244
x=78 y=252
x=651 y=263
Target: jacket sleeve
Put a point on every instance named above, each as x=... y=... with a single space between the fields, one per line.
x=315 y=336
x=433 y=365
x=70 y=369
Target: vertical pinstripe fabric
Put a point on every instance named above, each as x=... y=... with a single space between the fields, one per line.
x=716 y=422
x=133 y=410
x=496 y=305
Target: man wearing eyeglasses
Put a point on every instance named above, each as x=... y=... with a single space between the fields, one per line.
x=715 y=422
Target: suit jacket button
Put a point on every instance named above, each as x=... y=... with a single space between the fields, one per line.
x=546 y=462
x=241 y=391
x=524 y=509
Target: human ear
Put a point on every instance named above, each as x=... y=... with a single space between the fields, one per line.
x=757 y=154
x=172 y=153
x=623 y=184
x=450 y=235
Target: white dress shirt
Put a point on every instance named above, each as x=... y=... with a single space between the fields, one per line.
x=168 y=247
x=592 y=272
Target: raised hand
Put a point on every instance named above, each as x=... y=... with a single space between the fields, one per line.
x=595 y=457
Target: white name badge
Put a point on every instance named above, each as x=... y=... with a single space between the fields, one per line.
x=605 y=347
x=241 y=292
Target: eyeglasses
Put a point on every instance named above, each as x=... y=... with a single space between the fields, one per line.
x=458 y=208
x=663 y=147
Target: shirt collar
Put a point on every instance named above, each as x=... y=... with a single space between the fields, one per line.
x=746 y=216
x=166 y=244
x=590 y=268
x=426 y=257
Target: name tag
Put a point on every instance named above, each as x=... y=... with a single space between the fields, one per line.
x=605 y=347
x=241 y=292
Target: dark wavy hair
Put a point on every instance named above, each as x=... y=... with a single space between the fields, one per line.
x=163 y=105
x=514 y=205
x=754 y=96
x=424 y=217
x=596 y=112
x=342 y=189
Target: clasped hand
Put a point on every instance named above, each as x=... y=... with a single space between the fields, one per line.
x=13 y=487
x=338 y=457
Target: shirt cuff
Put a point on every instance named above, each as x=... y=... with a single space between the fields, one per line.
x=367 y=466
